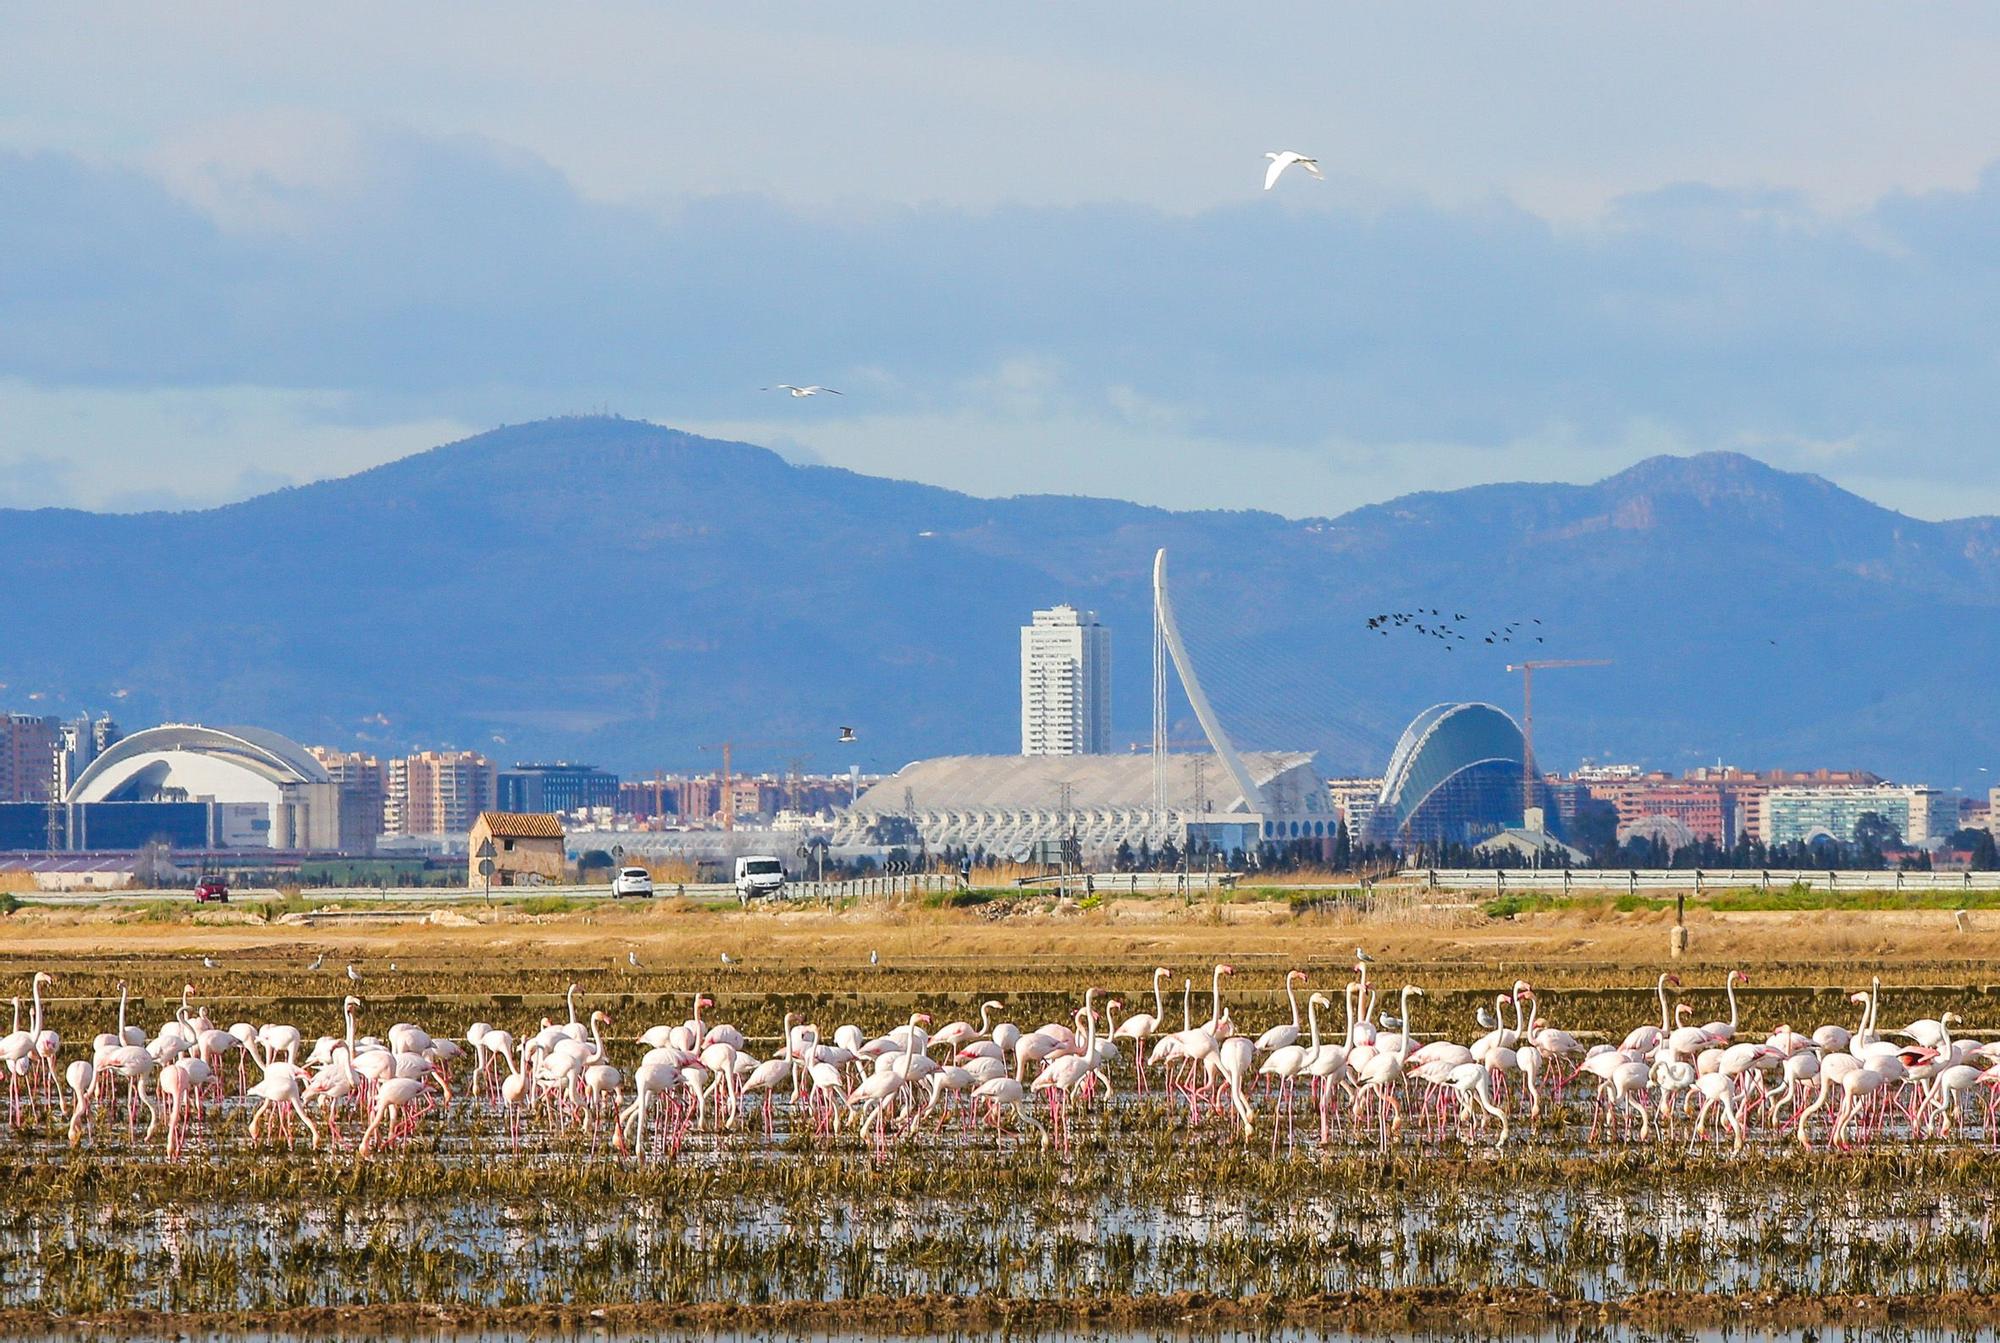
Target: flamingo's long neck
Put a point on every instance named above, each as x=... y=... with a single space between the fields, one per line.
x=1089 y=1026
x=1187 y=1006
x=121 y=1013
x=1666 y=1026
x=1409 y=1026
x=596 y=1037
x=36 y=1028
x=1312 y=1021
x=1520 y=1027
x=348 y=1012
x=1292 y=996
x=985 y=1014
x=1348 y=995
x=1732 y=1002
x=1159 y=1004
x=1215 y=998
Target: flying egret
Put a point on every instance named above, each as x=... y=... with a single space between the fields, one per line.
x=814 y=390
x=1279 y=162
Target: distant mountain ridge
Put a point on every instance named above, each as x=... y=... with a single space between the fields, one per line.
x=616 y=591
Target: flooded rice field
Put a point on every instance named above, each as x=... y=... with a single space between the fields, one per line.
x=1616 y=1332
x=1092 y=1206
x=1119 y=1218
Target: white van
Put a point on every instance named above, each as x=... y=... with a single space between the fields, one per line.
x=759 y=875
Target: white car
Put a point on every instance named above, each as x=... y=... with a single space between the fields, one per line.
x=631 y=881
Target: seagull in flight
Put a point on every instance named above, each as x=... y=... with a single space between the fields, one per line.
x=846 y=735
x=1281 y=160
x=814 y=390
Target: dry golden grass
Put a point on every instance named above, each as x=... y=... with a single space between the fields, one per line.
x=1593 y=945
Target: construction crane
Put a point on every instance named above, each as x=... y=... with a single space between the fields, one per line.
x=728 y=749
x=1528 y=670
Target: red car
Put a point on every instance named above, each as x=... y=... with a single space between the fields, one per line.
x=211 y=888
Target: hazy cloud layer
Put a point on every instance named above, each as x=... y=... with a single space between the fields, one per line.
x=1034 y=256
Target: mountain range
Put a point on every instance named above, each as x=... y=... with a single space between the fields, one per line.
x=615 y=591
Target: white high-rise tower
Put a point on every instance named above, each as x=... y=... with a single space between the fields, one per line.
x=1065 y=684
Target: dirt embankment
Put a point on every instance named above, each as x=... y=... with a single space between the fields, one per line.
x=1839 y=945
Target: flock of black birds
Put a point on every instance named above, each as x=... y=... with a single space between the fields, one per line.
x=1434 y=624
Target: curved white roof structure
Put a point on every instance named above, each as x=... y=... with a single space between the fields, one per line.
x=226 y=764
x=1443 y=742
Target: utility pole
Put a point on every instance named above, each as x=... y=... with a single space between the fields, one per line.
x=728 y=797
x=1528 y=670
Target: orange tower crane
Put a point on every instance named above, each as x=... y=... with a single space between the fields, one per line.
x=1528 y=670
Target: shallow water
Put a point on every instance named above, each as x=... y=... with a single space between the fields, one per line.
x=713 y=1246
x=1574 y=1333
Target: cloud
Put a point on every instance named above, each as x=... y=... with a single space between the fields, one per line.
x=36 y=480
x=431 y=285
x=134 y=449
x=1559 y=108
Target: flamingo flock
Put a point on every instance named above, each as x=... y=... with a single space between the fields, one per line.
x=1365 y=1076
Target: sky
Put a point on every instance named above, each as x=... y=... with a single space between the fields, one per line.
x=244 y=246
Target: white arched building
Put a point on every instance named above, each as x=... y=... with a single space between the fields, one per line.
x=268 y=789
x=1014 y=806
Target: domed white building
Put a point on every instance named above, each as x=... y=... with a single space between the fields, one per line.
x=267 y=790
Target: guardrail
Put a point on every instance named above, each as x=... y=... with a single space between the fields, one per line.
x=1638 y=881
x=1131 y=883
x=860 y=888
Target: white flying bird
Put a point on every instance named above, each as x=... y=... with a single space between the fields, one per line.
x=813 y=390
x=1282 y=161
